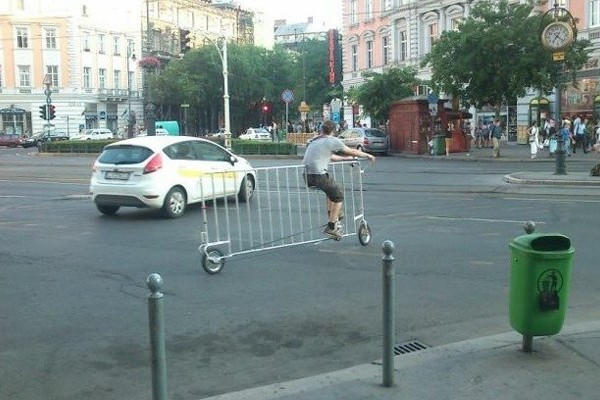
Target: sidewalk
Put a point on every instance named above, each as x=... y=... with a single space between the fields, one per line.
x=564 y=366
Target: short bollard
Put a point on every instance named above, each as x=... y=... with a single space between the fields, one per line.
x=388 y=313
x=157 y=337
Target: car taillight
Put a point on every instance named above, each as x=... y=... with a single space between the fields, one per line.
x=154 y=164
x=365 y=141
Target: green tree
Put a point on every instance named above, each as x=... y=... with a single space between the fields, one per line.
x=378 y=93
x=495 y=56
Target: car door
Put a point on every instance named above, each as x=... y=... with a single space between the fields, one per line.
x=219 y=176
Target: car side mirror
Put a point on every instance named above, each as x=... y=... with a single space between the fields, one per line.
x=233 y=159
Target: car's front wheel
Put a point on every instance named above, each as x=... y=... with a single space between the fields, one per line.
x=175 y=203
x=107 y=210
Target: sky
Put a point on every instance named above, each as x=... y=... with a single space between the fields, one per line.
x=293 y=11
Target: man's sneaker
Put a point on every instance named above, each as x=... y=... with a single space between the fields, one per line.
x=335 y=233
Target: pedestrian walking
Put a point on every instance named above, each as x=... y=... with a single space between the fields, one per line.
x=319 y=153
x=448 y=140
x=566 y=135
x=534 y=139
x=580 y=135
x=496 y=134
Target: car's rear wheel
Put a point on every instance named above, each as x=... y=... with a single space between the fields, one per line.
x=175 y=203
x=246 y=189
x=107 y=210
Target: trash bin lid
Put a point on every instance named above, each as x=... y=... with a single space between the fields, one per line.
x=543 y=243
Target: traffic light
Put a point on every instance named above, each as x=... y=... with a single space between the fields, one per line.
x=266 y=107
x=184 y=40
x=43 y=112
x=51 y=111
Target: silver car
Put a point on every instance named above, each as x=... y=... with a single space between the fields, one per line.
x=371 y=140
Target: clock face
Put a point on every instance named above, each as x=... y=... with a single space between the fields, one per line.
x=557 y=35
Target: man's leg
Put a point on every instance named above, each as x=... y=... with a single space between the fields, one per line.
x=334 y=211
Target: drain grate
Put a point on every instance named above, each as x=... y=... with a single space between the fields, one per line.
x=409 y=347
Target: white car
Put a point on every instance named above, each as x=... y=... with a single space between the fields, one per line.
x=167 y=173
x=97 y=134
x=256 y=134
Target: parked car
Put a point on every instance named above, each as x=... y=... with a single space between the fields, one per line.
x=96 y=134
x=41 y=137
x=371 y=140
x=10 y=140
x=167 y=173
x=256 y=134
x=219 y=134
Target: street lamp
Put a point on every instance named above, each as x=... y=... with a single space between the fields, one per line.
x=130 y=115
x=223 y=55
x=558 y=33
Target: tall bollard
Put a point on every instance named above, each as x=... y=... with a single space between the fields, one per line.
x=157 y=337
x=388 y=313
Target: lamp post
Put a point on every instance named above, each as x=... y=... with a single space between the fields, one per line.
x=558 y=32
x=150 y=107
x=130 y=115
x=223 y=55
x=47 y=82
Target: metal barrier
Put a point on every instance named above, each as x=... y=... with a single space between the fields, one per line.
x=281 y=211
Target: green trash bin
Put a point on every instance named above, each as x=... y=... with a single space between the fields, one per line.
x=439 y=145
x=539 y=283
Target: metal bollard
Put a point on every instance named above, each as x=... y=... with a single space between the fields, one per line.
x=388 y=313
x=527 y=342
x=157 y=337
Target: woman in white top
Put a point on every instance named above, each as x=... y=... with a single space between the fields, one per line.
x=534 y=138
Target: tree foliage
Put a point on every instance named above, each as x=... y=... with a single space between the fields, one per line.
x=379 y=91
x=255 y=74
x=496 y=55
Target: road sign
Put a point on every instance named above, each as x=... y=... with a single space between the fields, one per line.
x=287 y=95
x=432 y=98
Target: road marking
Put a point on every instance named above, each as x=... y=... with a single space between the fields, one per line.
x=570 y=200
x=508 y=221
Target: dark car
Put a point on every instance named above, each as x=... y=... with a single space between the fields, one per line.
x=10 y=140
x=371 y=140
x=39 y=138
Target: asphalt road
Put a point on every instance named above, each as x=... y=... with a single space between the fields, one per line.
x=73 y=307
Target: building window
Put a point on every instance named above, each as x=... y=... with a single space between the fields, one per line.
x=86 y=41
x=354 y=57
x=403 y=54
x=433 y=34
x=87 y=77
x=130 y=48
x=117 y=79
x=130 y=78
x=353 y=12
x=22 y=38
x=52 y=72
x=385 y=51
x=0 y=75
x=387 y=5
x=455 y=23
x=370 y=54
x=116 y=45
x=594 y=13
x=50 y=34
x=368 y=9
x=101 y=48
x=24 y=75
x=102 y=78
x=21 y=5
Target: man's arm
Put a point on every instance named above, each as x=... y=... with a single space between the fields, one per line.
x=357 y=153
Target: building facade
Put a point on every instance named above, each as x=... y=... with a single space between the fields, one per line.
x=87 y=53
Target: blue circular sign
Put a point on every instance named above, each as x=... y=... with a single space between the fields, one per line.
x=287 y=95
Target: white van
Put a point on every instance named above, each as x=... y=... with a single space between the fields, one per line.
x=97 y=134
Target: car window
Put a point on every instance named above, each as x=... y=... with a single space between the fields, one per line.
x=180 y=151
x=207 y=151
x=124 y=154
x=374 y=133
x=344 y=135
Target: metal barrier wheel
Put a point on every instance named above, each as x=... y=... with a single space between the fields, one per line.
x=212 y=261
x=364 y=233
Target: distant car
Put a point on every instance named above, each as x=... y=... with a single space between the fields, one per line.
x=371 y=140
x=256 y=134
x=10 y=140
x=219 y=134
x=167 y=173
x=41 y=137
x=96 y=134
